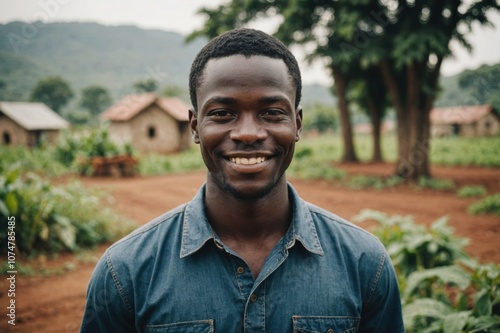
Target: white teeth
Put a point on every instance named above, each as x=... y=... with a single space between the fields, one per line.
x=248 y=161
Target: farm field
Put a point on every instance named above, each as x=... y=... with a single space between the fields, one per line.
x=54 y=303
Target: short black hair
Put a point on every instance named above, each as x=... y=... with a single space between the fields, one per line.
x=246 y=42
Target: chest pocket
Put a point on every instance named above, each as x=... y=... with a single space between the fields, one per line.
x=197 y=326
x=325 y=324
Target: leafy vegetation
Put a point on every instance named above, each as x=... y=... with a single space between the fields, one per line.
x=414 y=247
x=53 y=91
x=436 y=183
x=471 y=191
x=443 y=290
x=461 y=151
x=321 y=118
x=156 y=164
x=488 y=205
x=310 y=163
x=52 y=218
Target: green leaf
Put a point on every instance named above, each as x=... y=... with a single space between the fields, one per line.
x=12 y=175
x=65 y=231
x=446 y=274
x=426 y=308
x=11 y=203
x=483 y=303
x=481 y=324
x=455 y=322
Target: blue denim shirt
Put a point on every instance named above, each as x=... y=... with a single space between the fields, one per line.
x=175 y=275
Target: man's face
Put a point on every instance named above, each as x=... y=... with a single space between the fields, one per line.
x=246 y=123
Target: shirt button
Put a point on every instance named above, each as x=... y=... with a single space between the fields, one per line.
x=240 y=270
x=253 y=298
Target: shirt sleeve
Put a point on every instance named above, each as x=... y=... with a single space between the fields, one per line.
x=106 y=308
x=382 y=310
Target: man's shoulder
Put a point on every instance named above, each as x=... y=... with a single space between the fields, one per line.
x=151 y=233
x=332 y=225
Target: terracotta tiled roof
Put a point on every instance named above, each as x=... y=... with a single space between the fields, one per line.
x=131 y=105
x=459 y=114
x=128 y=107
x=175 y=107
x=33 y=116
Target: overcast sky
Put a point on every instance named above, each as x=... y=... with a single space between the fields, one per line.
x=180 y=16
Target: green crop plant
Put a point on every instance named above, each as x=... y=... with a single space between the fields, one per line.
x=52 y=219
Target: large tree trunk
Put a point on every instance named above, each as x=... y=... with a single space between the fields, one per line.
x=376 y=118
x=349 y=154
x=412 y=109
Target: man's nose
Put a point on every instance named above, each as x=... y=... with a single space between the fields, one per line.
x=248 y=129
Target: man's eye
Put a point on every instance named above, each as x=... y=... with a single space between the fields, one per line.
x=274 y=113
x=220 y=114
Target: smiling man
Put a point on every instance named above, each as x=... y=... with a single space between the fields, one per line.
x=246 y=254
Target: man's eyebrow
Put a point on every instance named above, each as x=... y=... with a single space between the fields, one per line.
x=221 y=100
x=273 y=99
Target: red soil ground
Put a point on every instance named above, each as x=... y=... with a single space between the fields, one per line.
x=54 y=303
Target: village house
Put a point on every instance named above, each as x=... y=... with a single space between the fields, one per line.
x=27 y=124
x=476 y=120
x=149 y=123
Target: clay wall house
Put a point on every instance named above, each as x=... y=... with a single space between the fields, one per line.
x=477 y=120
x=26 y=124
x=149 y=123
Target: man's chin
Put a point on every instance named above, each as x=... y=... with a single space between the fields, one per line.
x=251 y=190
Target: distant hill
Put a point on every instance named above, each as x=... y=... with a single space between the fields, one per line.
x=90 y=53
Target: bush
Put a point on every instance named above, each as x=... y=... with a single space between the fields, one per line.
x=321 y=118
x=471 y=191
x=443 y=290
x=488 y=205
x=436 y=183
x=39 y=160
x=414 y=247
x=51 y=218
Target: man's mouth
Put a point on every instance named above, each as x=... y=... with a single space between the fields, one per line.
x=248 y=161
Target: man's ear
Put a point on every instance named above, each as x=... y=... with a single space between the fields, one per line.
x=298 y=121
x=193 y=125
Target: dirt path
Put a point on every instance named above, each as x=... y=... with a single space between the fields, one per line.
x=55 y=303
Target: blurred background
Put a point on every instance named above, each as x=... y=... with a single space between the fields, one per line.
x=401 y=135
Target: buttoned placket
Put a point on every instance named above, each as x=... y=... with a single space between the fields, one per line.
x=255 y=290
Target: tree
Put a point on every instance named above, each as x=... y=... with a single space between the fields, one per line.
x=483 y=84
x=371 y=97
x=53 y=91
x=320 y=118
x=146 y=85
x=405 y=40
x=95 y=99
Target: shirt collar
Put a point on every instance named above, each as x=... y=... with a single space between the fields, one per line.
x=196 y=230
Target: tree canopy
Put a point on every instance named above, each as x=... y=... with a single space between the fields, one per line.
x=95 y=99
x=147 y=85
x=54 y=91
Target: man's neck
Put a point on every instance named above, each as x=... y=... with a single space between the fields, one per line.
x=249 y=221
